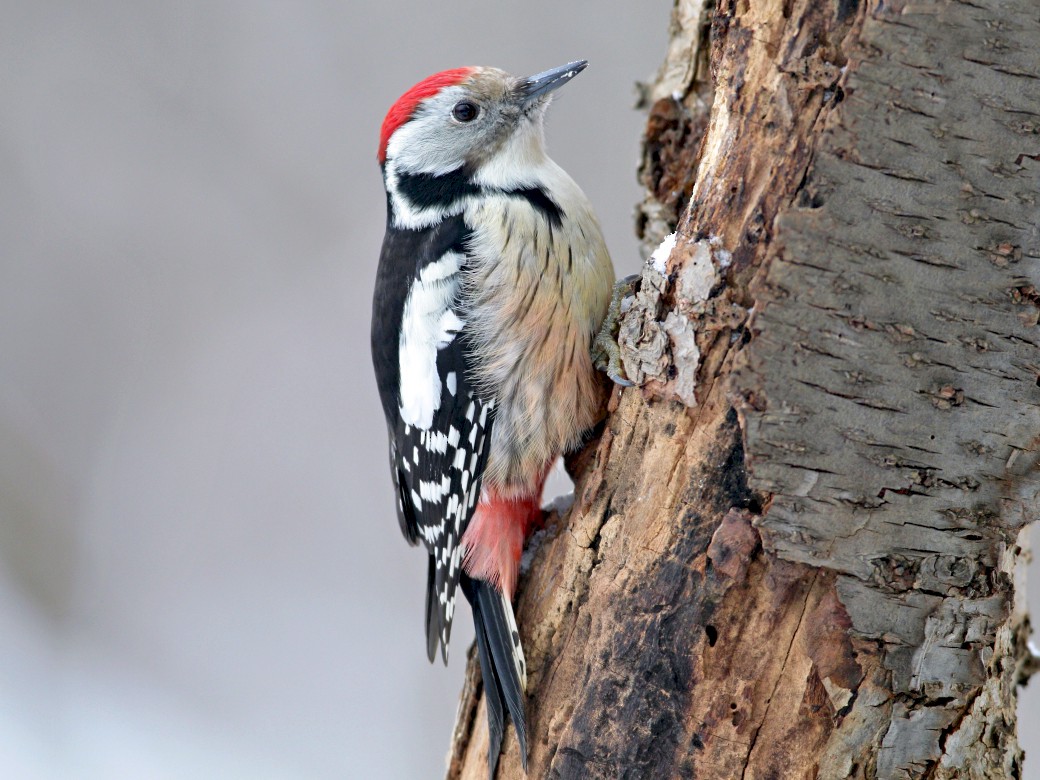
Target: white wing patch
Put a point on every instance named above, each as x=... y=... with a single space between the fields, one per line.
x=428 y=325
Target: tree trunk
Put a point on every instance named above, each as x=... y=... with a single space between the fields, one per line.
x=793 y=550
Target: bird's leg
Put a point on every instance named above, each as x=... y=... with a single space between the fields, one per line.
x=606 y=355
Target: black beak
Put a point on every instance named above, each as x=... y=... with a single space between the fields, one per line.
x=543 y=83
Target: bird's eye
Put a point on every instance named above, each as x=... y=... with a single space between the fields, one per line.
x=465 y=111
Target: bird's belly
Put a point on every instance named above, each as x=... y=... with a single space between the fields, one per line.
x=549 y=396
x=535 y=294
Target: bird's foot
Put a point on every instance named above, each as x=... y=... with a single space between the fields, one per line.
x=606 y=354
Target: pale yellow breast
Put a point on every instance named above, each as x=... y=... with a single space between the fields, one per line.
x=537 y=295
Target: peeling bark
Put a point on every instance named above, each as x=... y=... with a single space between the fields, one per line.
x=793 y=550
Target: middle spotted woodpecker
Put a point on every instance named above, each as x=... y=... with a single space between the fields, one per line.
x=492 y=284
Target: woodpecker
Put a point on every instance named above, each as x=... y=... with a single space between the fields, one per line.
x=493 y=281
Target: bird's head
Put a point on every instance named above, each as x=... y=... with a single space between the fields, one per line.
x=479 y=120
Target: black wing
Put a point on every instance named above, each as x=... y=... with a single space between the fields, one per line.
x=439 y=426
x=443 y=487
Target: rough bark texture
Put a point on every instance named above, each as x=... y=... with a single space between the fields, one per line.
x=793 y=550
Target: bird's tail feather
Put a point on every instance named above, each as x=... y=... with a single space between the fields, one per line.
x=433 y=616
x=502 y=665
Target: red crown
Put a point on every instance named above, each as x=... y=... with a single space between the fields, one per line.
x=402 y=110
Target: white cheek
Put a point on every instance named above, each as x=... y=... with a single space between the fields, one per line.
x=424 y=145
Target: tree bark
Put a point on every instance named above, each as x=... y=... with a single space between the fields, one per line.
x=794 y=549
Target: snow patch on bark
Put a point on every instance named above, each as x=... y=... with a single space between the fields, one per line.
x=659 y=258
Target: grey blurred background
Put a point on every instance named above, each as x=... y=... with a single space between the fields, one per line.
x=201 y=574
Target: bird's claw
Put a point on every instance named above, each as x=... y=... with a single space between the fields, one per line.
x=605 y=350
x=620 y=380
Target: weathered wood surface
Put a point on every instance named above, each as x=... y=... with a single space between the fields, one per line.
x=793 y=550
